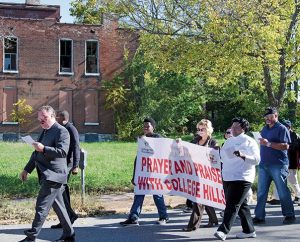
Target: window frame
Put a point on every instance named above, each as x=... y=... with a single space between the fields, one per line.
x=97 y=57
x=17 y=55
x=72 y=58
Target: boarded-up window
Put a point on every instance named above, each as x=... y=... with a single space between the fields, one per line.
x=91 y=107
x=65 y=102
x=9 y=98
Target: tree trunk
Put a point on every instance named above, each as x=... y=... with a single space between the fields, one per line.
x=292 y=106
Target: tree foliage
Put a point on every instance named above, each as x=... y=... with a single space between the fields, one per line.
x=221 y=41
x=21 y=111
x=142 y=91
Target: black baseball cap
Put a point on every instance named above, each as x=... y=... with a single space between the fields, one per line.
x=287 y=123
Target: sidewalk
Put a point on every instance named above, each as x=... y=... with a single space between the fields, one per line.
x=107 y=229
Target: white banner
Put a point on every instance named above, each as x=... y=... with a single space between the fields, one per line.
x=164 y=166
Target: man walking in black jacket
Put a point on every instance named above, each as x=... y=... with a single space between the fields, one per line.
x=72 y=161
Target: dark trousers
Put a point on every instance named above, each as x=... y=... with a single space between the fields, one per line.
x=67 y=199
x=189 y=203
x=196 y=216
x=50 y=195
x=236 y=204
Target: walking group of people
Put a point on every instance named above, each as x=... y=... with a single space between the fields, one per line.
x=240 y=154
x=56 y=157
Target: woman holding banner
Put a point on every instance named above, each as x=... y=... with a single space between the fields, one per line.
x=240 y=154
x=203 y=138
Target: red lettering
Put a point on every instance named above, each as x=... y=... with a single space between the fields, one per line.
x=149 y=164
x=168 y=184
x=177 y=168
x=155 y=167
x=142 y=182
x=175 y=184
x=144 y=162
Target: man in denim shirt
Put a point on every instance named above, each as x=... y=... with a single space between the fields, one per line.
x=274 y=167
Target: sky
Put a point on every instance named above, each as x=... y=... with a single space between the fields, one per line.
x=64 y=7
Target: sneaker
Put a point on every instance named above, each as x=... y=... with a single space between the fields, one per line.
x=258 y=221
x=220 y=235
x=274 y=202
x=162 y=221
x=297 y=200
x=188 y=210
x=289 y=220
x=130 y=222
x=243 y=235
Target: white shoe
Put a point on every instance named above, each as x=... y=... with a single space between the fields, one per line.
x=163 y=221
x=220 y=235
x=243 y=235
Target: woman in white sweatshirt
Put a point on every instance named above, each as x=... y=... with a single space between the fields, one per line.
x=239 y=154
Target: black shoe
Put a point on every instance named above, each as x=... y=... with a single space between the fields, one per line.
x=188 y=229
x=74 y=218
x=66 y=239
x=130 y=222
x=187 y=210
x=289 y=220
x=296 y=200
x=27 y=239
x=30 y=234
x=56 y=226
x=59 y=226
x=274 y=202
x=258 y=221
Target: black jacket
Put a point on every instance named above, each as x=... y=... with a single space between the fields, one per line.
x=73 y=156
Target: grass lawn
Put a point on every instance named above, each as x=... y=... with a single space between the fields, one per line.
x=109 y=168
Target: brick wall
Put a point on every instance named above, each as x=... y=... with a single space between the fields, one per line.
x=38 y=79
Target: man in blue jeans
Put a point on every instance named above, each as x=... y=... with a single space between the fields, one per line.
x=274 y=166
x=136 y=208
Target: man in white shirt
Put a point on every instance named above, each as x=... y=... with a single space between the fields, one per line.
x=240 y=155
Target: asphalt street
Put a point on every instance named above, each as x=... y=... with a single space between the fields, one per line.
x=107 y=229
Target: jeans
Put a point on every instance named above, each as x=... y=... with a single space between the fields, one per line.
x=137 y=205
x=236 y=193
x=277 y=173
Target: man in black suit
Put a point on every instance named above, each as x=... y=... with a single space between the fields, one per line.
x=49 y=158
x=72 y=161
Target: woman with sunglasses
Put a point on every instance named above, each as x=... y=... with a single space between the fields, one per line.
x=203 y=138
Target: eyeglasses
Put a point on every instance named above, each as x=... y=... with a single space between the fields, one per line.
x=201 y=130
x=228 y=132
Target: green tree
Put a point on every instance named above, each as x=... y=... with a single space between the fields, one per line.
x=20 y=113
x=221 y=41
x=142 y=91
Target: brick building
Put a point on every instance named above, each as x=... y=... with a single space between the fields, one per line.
x=63 y=65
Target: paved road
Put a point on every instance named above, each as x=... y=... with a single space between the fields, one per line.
x=107 y=229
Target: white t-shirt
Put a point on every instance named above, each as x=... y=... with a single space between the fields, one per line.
x=235 y=168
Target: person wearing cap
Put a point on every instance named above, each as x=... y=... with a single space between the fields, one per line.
x=273 y=166
x=136 y=208
x=293 y=154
